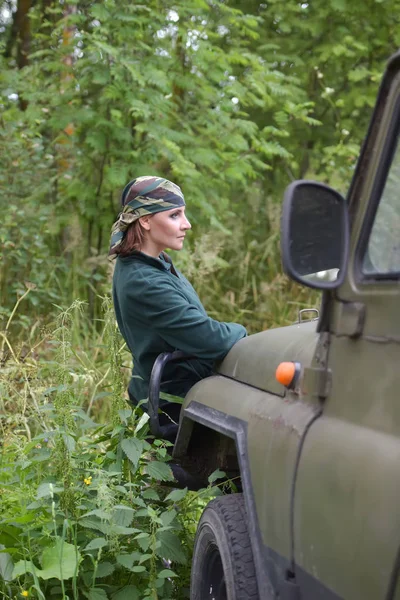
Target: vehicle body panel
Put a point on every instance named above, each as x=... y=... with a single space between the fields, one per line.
x=396 y=581
x=274 y=429
x=347 y=517
x=254 y=359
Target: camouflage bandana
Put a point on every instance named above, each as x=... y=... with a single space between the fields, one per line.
x=143 y=196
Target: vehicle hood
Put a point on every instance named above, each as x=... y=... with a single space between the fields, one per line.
x=254 y=359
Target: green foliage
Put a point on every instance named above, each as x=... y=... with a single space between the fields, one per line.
x=231 y=100
x=132 y=89
x=103 y=525
x=59 y=561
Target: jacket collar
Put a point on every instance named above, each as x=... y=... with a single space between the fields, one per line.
x=164 y=263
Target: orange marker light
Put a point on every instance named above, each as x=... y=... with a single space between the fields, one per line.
x=287 y=373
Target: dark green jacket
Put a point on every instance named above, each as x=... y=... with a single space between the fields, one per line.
x=158 y=311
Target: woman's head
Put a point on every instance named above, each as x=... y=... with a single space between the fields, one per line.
x=153 y=233
x=164 y=230
x=142 y=200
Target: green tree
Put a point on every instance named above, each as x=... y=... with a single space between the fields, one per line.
x=133 y=89
x=232 y=100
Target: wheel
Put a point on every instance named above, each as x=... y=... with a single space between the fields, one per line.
x=223 y=564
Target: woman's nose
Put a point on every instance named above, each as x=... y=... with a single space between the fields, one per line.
x=186 y=224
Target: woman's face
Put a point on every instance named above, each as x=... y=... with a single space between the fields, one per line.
x=165 y=229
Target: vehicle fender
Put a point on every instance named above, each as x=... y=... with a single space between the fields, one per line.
x=236 y=429
x=267 y=430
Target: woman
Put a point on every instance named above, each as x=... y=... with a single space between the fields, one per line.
x=157 y=309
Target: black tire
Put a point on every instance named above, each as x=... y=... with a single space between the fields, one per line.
x=223 y=564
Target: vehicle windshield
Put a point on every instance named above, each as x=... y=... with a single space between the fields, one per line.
x=383 y=252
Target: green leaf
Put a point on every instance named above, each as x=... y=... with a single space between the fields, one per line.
x=143 y=540
x=150 y=494
x=121 y=530
x=111 y=50
x=99 y=11
x=22 y=567
x=123 y=515
x=170 y=547
x=6 y=565
x=145 y=557
x=97 y=543
x=133 y=448
x=59 y=560
x=359 y=74
x=138 y=569
x=167 y=517
x=9 y=535
x=142 y=512
x=129 y=592
x=69 y=442
x=166 y=573
x=159 y=470
x=124 y=413
x=104 y=569
x=98 y=512
x=142 y=422
x=46 y=490
x=97 y=594
x=97 y=525
x=339 y=5
x=25 y=519
x=216 y=475
x=127 y=560
x=177 y=495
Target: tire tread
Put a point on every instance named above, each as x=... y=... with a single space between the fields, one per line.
x=231 y=511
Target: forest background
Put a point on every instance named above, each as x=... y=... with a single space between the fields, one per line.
x=232 y=100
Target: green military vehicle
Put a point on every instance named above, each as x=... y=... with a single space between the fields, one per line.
x=315 y=445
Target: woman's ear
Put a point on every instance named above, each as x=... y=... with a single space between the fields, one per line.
x=145 y=222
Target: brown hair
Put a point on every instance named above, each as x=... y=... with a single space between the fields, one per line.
x=133 y=240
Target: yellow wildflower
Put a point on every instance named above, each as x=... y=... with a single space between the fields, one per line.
x=25 y=594
x=88 y=480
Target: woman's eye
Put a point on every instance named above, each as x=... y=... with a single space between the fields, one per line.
x=174 y=215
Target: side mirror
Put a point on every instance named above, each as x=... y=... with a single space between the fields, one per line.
x=314 y=234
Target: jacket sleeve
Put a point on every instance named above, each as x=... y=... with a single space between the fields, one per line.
x=184 y=326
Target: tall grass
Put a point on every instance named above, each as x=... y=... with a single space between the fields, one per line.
x=83 y=509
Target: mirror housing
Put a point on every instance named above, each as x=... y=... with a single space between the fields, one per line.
x=314 y=234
